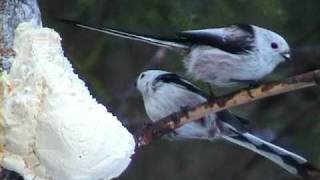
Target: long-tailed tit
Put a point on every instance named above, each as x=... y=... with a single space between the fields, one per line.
x=165 y=93
x=220 y=56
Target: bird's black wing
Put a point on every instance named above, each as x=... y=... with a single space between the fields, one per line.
x=176 y=79
x=235 y=39
x=241 y=124
x=225 y=115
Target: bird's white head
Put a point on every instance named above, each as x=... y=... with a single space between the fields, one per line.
x=273 y=47
x=145 y=81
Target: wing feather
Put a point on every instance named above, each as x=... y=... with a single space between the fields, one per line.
x=224 y=115
x=236 y=39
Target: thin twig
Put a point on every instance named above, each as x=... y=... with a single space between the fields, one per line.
x=155 y=130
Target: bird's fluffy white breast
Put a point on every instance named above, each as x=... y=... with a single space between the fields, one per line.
x=170 y=98
x=218 y=67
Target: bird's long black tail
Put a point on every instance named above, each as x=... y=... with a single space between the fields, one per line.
x=293 y=163
x=158 y=41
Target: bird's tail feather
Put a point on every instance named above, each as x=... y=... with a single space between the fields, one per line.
x=158 y=41
x=293 y=163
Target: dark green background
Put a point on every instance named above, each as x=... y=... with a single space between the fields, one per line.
x=110 y=66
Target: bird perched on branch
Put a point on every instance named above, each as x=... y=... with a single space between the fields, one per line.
x=165 y=93
x=225 y=56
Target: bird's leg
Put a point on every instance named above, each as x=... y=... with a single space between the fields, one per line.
x=212 y=96
x=184 y=110
x=251 y=84
x=175 y=117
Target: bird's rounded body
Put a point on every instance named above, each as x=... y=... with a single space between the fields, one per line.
x=224 y=69
x=221 y=56
x=165 y=93
x=161 y=101
x=242 y=54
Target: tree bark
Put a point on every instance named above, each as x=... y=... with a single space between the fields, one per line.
x=12 y=13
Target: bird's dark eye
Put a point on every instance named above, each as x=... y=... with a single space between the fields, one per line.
x=274 y=45
x=142 y=75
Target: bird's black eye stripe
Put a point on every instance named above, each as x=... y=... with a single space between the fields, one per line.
x=274 y=45
x=142 y=75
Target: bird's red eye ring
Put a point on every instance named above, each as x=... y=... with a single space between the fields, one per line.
x=274 y=45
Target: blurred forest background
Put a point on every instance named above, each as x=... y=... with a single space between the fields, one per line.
x=110 y=65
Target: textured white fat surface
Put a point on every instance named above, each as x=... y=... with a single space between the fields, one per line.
x=54 y=128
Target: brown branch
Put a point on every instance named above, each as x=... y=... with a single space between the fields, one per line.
x=151 y=131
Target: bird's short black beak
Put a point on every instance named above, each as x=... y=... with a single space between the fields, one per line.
x=135 y=84
x=286 y=56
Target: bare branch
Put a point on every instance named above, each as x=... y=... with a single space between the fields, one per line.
x=151 y=131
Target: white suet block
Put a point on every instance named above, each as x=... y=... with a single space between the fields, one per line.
x=53 y=127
